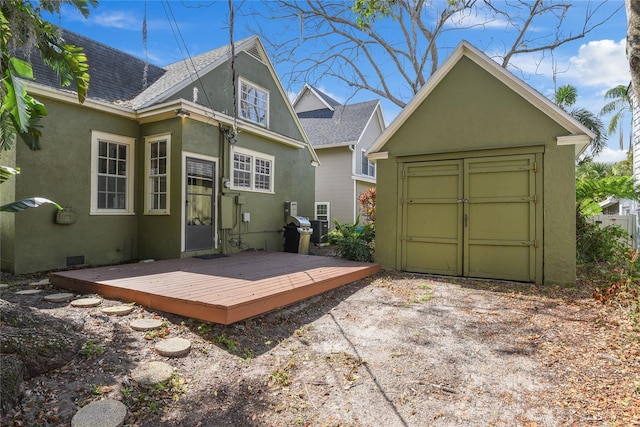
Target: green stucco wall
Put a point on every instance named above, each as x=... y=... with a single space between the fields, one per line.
x=294 y=181
x=219 y=92
x=33 y=241
x=160 y=235
x=61 y=171
x=471 y=110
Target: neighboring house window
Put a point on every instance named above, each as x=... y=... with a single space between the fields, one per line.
x=368 y=167
x=322 y=211
x=252 y=171
x=111 y=173
x=254 y=103
x=157 y=162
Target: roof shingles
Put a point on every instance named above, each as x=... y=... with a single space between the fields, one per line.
x=343 y=125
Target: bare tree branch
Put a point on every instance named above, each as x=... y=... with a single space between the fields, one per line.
x=393 y=54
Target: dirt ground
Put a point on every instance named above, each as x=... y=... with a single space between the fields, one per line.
x=391 y=350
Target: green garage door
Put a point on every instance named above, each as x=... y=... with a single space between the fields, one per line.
x=475 y=217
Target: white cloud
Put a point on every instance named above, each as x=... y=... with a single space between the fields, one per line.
x=471 y=19
x=610 y=156
x=120 y=20
x=600 y=63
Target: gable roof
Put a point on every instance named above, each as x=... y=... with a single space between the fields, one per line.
x=580 y=136
x=108 y=83
x=117 y=84
x=323 y=97
x=341 y=125
x=182 y=73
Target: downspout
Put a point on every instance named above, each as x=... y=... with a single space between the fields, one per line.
x=352 y=148
x=223 y=167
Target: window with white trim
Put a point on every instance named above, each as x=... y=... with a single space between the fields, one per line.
x=111 y=173
x=368 y=167
x=322 y=210
x=254 y=103
x=252 y=171
x=157 y=168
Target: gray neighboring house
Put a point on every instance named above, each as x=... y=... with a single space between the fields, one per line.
x=340 y=134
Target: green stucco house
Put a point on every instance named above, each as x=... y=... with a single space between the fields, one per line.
x=476 y=178
x=195 y=158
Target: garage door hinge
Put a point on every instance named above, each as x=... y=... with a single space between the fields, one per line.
x=535 y=199
x=535 y=244
x=535 y=167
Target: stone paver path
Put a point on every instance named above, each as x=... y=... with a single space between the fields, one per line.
x=152 y=373
x=173 y=347
x=86 y=302
x=102 y=413
x=61 y=297
x=145 y=324
x=118 y=310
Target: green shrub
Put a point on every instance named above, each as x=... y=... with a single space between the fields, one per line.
x=595 y=244
x=353 y=241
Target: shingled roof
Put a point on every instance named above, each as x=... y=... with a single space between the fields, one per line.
x=186 y=71
x=342 y=125
x=118 y=77
x=115 y=76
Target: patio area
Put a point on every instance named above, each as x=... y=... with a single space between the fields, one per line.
x=223 y=289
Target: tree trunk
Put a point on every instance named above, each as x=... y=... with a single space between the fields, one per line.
x=633 y=43
x=32 y=343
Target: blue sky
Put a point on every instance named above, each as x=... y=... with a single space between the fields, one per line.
x=593 y=64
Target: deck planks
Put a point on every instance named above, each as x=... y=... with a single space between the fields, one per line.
x=222 y=290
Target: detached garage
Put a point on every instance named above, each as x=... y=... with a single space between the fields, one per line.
x=476 y=178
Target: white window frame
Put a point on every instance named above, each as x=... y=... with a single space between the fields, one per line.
x=150 y=175
x=315 y=211
x=96 y=138
x=242 y=83
x=370 y=165
x=252 y=155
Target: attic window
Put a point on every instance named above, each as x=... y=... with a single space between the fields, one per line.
x=254 y=103
x=254 y=52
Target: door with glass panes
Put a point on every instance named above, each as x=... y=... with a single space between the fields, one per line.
x=200 y=204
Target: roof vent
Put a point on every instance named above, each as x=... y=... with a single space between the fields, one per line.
x=255 y=52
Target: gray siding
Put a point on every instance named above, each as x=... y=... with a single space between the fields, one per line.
x=334 y=183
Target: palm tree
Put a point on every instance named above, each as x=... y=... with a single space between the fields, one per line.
x=565 y=97
x=619 y=104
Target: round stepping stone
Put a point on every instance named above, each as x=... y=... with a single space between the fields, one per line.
x=118 y=310
x=86 y=302
x=151 y=374
x=3 y=287
x=29 y=292
x=102 y=413
x=145 y=324
x=173 y=347
x=43 y=282
x=61 y=297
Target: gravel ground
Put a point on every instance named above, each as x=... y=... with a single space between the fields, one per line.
x=391 y=350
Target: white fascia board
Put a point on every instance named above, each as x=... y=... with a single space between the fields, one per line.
x=337 y=145
x=72 y=98
x=378 y=155
x=377 y=114
x=580 y=141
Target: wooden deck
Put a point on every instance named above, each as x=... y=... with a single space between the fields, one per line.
x=222 y=290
